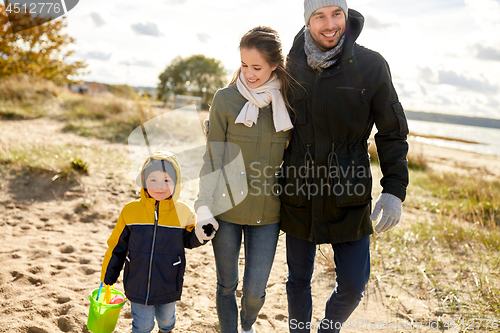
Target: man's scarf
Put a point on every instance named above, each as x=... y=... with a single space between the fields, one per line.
x=317 y=59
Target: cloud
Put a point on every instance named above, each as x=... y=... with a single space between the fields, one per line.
x=98 y=20
x=487 y=53
x=148 y=29
x=485 y=13
x=203 y=37
x=175 y=2
x=454 y=79
x=444 y=100
x=375 y=23
x=142 y=63
x=493 y=103
x=426 y=74
x=98 y=55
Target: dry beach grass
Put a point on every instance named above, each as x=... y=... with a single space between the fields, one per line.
x=61 y=190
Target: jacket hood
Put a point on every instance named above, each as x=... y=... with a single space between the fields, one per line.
x=169 y=157
x=354 y=26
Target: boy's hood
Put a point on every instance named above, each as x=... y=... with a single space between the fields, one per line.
x=166 y=156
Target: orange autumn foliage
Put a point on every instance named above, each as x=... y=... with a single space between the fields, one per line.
x=41 y=50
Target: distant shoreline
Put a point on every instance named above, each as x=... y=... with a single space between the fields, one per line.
x=443 y=138
x=452 y=119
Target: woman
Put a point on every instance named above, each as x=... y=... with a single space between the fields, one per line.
x=250 y=115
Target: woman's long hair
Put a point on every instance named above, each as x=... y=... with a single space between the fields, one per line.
x=267 y=42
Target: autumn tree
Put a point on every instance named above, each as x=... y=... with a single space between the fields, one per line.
x=196 y=75
x=41 y=50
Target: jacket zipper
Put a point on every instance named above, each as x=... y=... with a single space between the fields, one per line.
x=361 y=90
x=157 y=212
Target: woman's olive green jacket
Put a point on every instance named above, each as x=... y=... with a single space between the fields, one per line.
x=238 y=178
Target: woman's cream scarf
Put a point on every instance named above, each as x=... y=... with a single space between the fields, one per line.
x=260 y=97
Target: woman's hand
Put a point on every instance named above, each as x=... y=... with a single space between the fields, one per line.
x=204 y=219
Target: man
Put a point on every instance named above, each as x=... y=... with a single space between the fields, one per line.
x=341 y=90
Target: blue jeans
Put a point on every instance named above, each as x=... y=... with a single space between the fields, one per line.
x=352 y=267
x=143 y=317
x=260 y=247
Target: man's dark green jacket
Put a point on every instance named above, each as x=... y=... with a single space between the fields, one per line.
x=326 y=180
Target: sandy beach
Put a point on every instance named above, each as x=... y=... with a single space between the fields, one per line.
x=53 y=238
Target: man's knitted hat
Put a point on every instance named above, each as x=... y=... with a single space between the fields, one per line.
x=310 y=6
x=159 y=165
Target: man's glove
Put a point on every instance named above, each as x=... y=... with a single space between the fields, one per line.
x=206 y=225
x=206 y=127
x=392 y=209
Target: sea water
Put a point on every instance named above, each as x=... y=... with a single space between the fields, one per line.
x=488 y=139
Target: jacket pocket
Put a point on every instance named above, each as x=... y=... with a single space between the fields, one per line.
x=400 y=115
x=135 y=274
x=352 y=185
x=168 y=272
x=229 y=183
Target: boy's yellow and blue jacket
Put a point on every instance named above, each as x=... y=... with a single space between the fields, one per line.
x=150 y=237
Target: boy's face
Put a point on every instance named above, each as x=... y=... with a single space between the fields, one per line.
x=159 y=185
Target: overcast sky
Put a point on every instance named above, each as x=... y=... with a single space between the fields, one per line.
x=444 y=54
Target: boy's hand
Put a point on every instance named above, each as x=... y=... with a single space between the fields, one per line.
x=204 y=220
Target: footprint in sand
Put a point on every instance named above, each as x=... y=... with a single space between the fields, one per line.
x=43 y=313
x=58 y=267
x=36 y=330
x=35 y=270
x=69 y=260
x=38 y=254
x=280 y=317
x=64 y=324
x=88 y=270
x=16 y=275
x=62 y=300
x=36 y=281
x=64 y=310
x=23 y=277
x=12 y=223
x=127 y=314
x=67 y=249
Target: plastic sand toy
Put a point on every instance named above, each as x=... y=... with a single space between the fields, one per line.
x=103 y=317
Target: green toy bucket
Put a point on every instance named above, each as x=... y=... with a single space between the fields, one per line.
x=103 y=318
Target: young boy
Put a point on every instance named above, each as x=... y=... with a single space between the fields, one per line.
x=150 y=237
